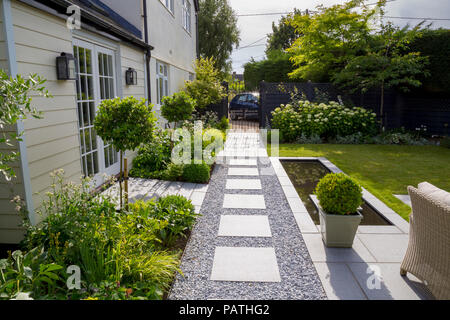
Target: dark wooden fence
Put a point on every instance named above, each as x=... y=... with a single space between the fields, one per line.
x=409 y=110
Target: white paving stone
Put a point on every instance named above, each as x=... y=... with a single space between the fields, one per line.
x=243 y=162
x=244 y=201
x=244 y=226
x=243 y=172
x=197 y=198
x=245 y=264
x=243 y=184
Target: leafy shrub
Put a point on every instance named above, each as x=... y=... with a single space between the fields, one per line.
x=173 y=172
x=110 y=247
x=178 y=107
x=153 y=156
x=325 y=120
x=339 y=194
x=206 y=89
x=224 y=124
x=197 y=173
x=175 y=211
x=28 y=273
x=313 y=139
x=399 y=138
x=356 y=138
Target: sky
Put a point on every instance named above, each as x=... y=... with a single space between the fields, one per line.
x=254 y=28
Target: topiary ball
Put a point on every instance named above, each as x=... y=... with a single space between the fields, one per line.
x=339 y=194
x=197 y=173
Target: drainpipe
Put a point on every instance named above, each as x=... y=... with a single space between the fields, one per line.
x=148 y=54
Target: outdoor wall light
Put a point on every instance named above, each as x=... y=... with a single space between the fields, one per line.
x=65 y=67
x=131 y=77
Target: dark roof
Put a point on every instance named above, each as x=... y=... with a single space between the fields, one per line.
x=96 y=14
x=99 y=6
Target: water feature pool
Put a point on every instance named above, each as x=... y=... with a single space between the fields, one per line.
x=305 y=174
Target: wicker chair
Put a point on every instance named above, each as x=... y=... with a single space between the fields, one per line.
x=428 y=253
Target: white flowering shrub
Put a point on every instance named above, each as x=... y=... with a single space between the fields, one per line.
x=326 y=120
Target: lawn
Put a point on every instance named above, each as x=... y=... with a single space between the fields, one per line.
x=384 y=170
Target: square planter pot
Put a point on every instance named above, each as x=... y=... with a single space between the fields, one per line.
x=338 y=230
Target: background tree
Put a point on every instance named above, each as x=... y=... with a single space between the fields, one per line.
x=389 y=63
x=283 y=34
x=330 y=39
x=15 y=104
x=125 y=123
x=218 y=32
x=206 y=89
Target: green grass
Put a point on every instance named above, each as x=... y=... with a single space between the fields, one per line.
x=384 y=170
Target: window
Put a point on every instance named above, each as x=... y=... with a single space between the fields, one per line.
x=186 y=5
x=96 y=81
x=168 y=4
x=162 y=81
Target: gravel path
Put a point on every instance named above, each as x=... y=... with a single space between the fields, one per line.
x=299 y=280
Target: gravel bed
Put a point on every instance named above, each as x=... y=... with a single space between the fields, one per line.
x=299 y=280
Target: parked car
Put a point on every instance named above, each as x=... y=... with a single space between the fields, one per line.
x=244 y=106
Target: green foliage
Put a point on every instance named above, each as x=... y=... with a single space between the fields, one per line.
x=224 y=124
x=122 y=248
x=28 y=273
x=399 y=138
x=434 y=44
x=177 y=107
x=15 y=104
x=175 y=211
x=173 y=172
x=218 y=32
x=339 y=194
x=324 y=120
x=206 y=89
x=197 y=173
x=284 y=34
x=330 y=39
x=125 y=122
x=154 y=155
x=275 y=68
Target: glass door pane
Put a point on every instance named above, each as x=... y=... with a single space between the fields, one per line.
x=107 y=91
x=86 y=111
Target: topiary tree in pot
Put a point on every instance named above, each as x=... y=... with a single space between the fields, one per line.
x=339 y=200
x=125 y=123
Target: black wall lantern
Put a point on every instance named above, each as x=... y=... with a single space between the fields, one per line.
x=131 y=77
x=65 y=67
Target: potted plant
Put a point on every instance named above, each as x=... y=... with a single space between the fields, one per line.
x=339 y=200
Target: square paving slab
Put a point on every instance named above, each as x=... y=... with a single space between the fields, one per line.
x=243 y=172
x=244 y=201
x=245 y=264
x=243 y=162
x=244 y=184
x=244 y=226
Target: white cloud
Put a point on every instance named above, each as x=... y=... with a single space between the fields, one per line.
x=256 y=27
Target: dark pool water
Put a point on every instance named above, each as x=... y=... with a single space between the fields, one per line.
x=305 y=175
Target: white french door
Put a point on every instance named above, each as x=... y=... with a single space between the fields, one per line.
x=96 y=81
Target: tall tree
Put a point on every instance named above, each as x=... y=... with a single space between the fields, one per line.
x=218 y=32
x=330 y=39
x=283 y=34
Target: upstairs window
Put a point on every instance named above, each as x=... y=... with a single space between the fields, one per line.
x=186 y=5
x=168 y=4
x=162 y=81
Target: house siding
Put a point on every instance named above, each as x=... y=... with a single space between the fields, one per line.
x=10 y=220
x=52 y=142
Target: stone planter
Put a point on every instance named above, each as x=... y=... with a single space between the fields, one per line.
x=338 y=230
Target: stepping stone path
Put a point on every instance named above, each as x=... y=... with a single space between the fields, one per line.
x=246 y=244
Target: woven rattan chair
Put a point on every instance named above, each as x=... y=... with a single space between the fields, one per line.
x=428 y=253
